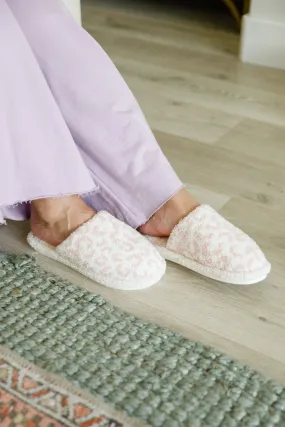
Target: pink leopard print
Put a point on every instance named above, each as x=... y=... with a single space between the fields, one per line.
x=206 y=237
x=111 y=250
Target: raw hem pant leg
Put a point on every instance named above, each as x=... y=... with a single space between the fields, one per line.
x=38 y=156
x=103 y=116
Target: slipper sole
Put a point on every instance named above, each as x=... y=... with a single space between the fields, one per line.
x=234 y=278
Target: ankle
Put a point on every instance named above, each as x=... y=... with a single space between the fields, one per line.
x=53 y=220
x=182 y=202
x=170 y=214
x=51 y=211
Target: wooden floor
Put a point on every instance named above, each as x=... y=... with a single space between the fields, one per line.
x=220 y=123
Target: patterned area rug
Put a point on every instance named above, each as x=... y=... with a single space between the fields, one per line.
x=30 y=397
x=152 y=375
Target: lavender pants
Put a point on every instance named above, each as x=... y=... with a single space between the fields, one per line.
x=69 y=123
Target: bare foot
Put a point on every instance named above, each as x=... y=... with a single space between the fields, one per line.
x=53 y=220
x=164 y=220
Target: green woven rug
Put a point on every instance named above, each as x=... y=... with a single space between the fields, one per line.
x=144 y=371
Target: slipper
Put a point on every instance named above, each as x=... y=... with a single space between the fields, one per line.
x=108 y=251
x=208 y=244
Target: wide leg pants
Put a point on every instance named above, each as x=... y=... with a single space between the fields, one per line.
x=69 y=124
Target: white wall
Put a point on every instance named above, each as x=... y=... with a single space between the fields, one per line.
x=263 y=34
x=74 y=7
x=268 y=9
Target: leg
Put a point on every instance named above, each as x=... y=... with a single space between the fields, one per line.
x=103 y=116
x=170 y=214
x=38 y=157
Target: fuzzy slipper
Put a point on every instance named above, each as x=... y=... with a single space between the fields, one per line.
x=108 y=251
x=208 y=244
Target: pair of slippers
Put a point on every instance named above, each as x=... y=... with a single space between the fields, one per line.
x=110 y=252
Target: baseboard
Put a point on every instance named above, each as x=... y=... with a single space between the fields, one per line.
x=263 y=42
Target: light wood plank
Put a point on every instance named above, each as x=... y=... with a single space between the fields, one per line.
x=222 y=170
x=258 y=139
x=180 y=117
